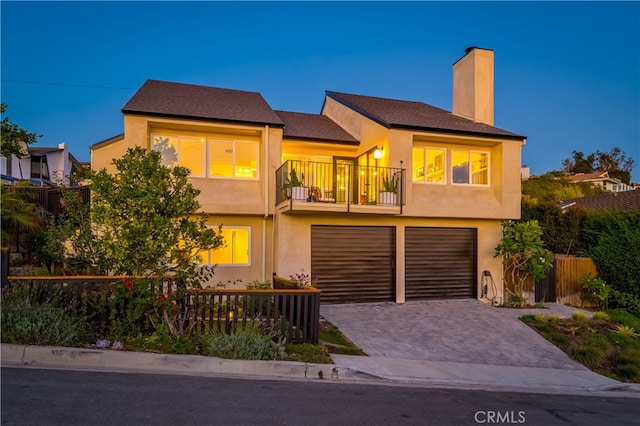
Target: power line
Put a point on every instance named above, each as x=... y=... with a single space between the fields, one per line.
x=66 y=84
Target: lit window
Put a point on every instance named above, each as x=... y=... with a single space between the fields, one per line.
x=428 y=165
x=237 y=159
x=469 y=167
x=226 y=158
x=235 y=250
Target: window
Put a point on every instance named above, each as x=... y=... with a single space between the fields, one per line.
x=209 y=157
x=469 y=167
x=236 y=250
x=428 y=165
x=229 y=158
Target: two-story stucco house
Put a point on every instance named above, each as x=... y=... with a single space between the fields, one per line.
x=383 y=199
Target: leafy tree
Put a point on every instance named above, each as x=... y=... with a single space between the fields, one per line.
x=143 y=219
x=13 y=135
x=553 y=187
x=615 y=162
x=524 y=257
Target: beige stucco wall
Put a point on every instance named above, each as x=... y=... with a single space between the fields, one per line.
x=473 y=80
x=293 y=242
x=261 y=244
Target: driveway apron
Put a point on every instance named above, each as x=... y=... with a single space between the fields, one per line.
x=464 y=331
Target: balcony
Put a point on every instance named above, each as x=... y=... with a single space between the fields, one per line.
x=339 y=187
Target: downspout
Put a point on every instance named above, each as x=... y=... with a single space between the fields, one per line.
x=266 y=202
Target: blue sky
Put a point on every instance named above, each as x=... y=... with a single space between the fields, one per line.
x=567 y=75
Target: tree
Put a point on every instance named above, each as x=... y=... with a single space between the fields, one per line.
x=143 y=219
x=615 y=162
x=553 y=187
x=13 y=135
x=17 y=213
x=524 y=257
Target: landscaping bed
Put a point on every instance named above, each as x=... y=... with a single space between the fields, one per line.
x=608 y=343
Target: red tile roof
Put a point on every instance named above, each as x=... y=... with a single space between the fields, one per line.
x=624 y=201
x=314 y=127
x=179 y=100
x=393 y=113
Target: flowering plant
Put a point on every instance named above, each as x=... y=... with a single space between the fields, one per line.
x=304 y=280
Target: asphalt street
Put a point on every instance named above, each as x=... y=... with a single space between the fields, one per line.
x=34 y=396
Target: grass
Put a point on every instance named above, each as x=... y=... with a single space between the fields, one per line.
x=331 y=341
x=607 y=344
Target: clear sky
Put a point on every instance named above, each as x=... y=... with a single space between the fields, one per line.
x=567 y=75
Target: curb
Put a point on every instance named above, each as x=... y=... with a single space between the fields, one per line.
x=88 y=358
x=91 y=359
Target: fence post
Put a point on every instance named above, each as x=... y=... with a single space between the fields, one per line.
x=4 y=266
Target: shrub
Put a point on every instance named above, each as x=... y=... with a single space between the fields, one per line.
x=600 y=315
x=594 y=291
x=587 y=355
x=247 y=343
x=540 y=319
x=554 y=319
x=579 y=317
x=628 y=371
x=625 y=330
x=120 y=311
x=621 y=316
x=41 y=316
x=614 y=238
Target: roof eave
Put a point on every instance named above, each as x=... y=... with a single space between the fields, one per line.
x=322 y=140
x=209 y=119
x=459 y=132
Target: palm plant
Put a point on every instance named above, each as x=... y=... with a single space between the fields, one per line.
x=18 y=214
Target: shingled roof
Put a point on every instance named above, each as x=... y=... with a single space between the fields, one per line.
x=179 y=100
x=622 y=201
x=314 y=127
x=393 y=113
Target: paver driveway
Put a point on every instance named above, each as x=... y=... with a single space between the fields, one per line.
x=466 y=331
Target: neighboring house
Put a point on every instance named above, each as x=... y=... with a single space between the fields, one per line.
x=628 y=201
x=601 y=180
x=41 y=166
x=397 y=200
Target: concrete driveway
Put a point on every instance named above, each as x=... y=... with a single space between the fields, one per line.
x=462 y=331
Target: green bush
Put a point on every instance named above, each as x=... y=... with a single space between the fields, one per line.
x=594 y=291
x=621 y=316
x=245 y=343
x=614 y=238
x=587 y=355
x=120 y=311
x=628 y=371
x=41 y=316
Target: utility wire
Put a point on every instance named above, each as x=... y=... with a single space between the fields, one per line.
x=66 y=84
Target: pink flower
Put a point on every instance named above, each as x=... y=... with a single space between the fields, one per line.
x=128 y=283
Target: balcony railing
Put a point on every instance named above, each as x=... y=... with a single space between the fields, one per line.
x=340 y=183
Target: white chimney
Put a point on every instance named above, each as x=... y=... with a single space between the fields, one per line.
x=473 y=85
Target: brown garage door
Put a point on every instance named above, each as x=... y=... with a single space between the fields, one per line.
x=440 y=263
x=354 y=263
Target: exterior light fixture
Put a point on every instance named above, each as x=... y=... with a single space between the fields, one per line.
x=377 y=154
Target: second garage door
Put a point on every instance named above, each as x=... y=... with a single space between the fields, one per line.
x=354 y=263
x=440 y=263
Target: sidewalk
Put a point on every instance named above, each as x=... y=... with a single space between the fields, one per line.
x=347 y=369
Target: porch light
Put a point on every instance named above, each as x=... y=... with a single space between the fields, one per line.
x=377 y=154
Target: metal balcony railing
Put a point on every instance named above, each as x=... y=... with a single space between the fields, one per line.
x=340 y=183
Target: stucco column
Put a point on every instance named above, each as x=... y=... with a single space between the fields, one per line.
x=400 y=274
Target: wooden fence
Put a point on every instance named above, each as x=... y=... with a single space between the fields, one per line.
x=568 y=272
x=293 y=314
